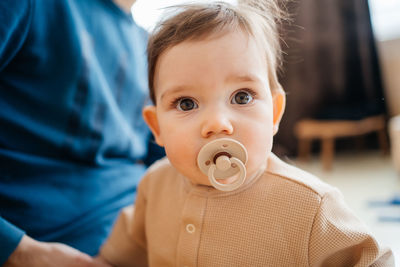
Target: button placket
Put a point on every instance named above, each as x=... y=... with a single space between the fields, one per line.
x=192 y=217
x=190 y=228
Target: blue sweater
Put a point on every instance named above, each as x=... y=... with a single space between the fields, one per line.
x=73 y=81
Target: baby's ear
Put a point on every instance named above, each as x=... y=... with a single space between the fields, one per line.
x=279 y=103
x=150 y=117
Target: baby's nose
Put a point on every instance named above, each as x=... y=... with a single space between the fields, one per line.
x=216 y=123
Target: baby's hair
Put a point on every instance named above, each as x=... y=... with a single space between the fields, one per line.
x=259 y=19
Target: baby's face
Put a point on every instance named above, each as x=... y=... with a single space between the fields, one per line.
x=211 y=89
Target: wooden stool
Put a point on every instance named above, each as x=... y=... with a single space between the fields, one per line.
x=394 y=133
x=327 y=130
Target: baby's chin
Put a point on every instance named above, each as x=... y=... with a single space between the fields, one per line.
x=229 y=180
x=200 y=180
x=203 y=180
x=196 y=177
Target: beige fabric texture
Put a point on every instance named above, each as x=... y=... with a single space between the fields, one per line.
x=282 y=217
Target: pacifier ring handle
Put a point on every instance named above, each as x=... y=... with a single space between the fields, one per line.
x=232 y=186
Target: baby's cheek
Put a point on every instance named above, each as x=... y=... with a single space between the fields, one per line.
x=259 y=153
x=179 y=153
x=258 y=149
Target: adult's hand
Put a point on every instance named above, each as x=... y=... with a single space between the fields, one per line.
x=34 y=253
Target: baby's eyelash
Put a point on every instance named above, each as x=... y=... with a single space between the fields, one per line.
x=174 y=103
x=248 y=90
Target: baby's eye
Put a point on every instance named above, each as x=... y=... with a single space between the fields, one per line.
x=186 y=104
x=242 y=98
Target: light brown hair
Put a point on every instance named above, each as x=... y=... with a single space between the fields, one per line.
x=193 y=22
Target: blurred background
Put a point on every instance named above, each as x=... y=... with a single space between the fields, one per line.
x=341 y=73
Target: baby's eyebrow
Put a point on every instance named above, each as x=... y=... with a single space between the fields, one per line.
x=175 y=90
x=243 y=78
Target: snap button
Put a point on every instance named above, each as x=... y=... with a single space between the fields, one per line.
x=190 y=228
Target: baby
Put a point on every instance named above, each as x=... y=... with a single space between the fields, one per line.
x=221 y=198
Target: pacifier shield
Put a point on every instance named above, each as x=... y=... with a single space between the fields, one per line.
x=221 y=159
x=227 y=146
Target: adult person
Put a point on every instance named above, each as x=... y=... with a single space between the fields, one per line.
x=73 y=81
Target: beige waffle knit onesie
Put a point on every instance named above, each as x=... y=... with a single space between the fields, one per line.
x=282 y=217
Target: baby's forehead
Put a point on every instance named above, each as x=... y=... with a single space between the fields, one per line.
x=216 y=59
x=213 y=36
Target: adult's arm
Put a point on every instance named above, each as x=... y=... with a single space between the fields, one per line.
x=18 y=249
x=34 y=253
x=10 y=237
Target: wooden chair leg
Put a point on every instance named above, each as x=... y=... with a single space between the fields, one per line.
x=328 y=149
x=304 y=149
x=383 y=141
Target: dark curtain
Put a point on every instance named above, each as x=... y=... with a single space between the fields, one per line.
x=330 y=66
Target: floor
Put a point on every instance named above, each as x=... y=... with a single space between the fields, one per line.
x=368 y=182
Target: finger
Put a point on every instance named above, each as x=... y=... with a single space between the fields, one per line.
x=100 y=262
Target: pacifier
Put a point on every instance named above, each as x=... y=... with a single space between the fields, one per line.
x=221 y=159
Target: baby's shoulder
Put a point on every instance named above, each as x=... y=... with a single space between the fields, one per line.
x=159 y=165
x=300 y=180
x=160 y=171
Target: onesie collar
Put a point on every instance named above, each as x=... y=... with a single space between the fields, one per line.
x=209 y=191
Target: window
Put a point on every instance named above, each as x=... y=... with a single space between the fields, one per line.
x=385 y=15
